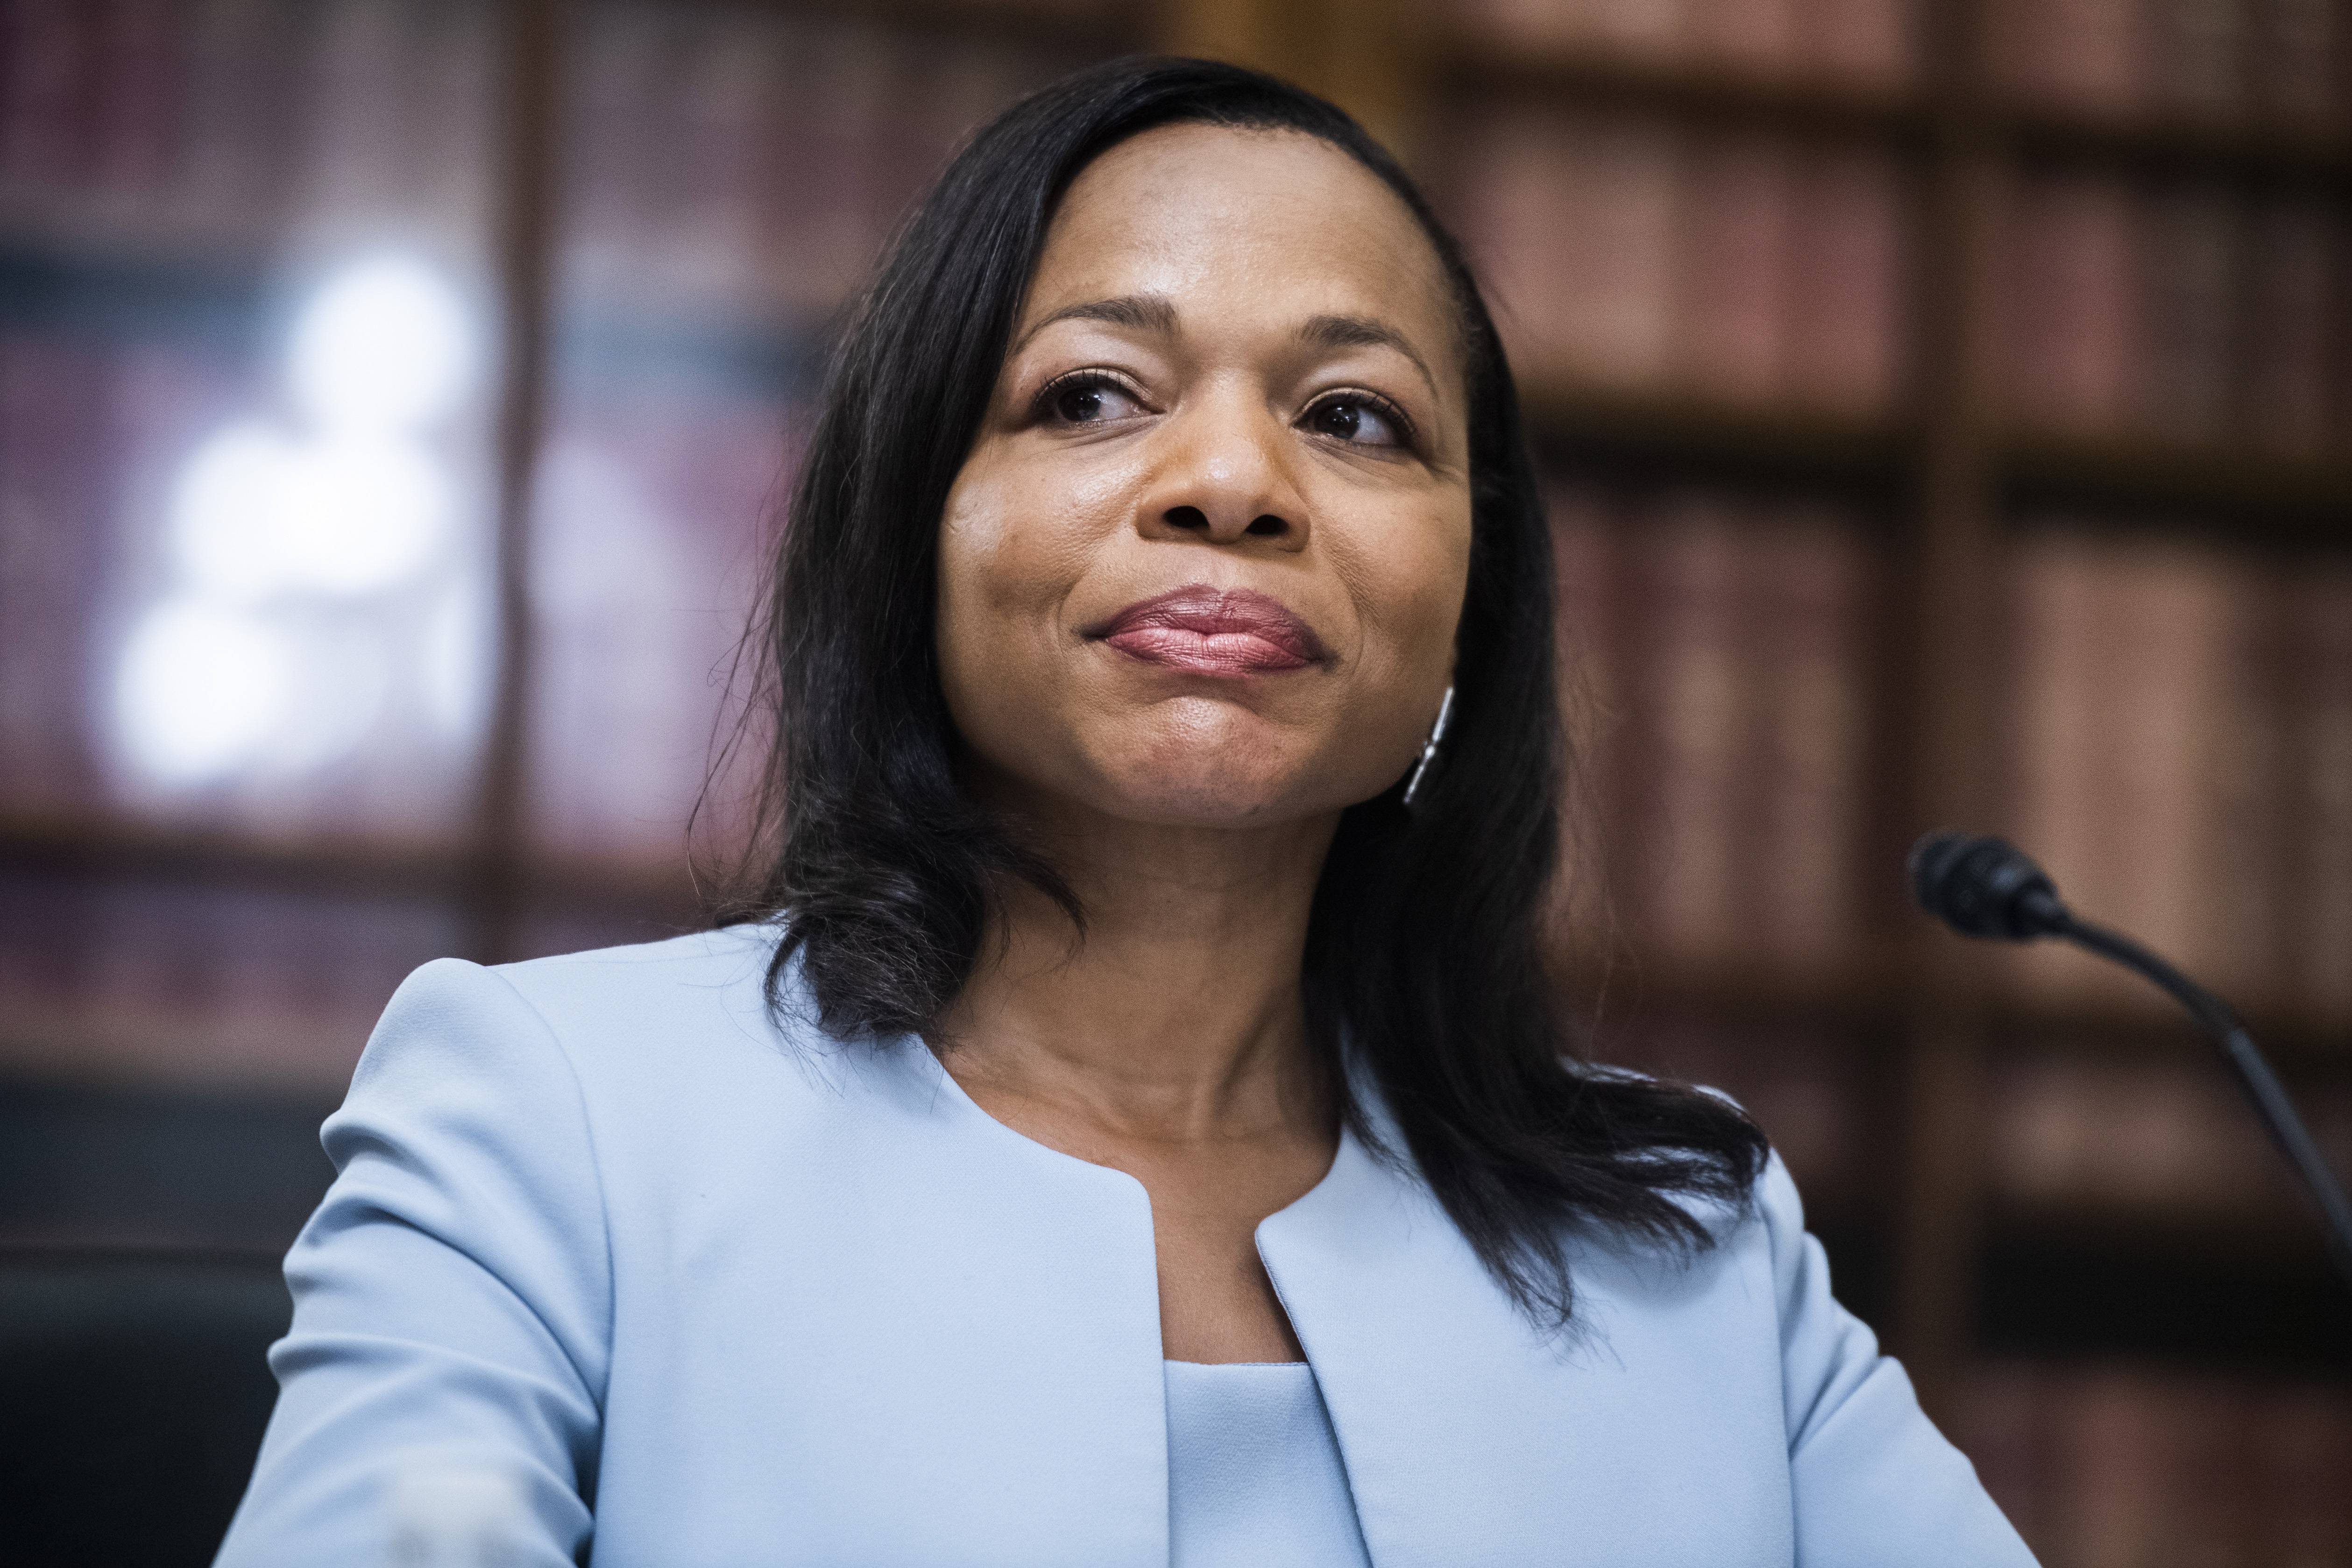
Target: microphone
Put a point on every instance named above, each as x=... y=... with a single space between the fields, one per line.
x=1984 y=886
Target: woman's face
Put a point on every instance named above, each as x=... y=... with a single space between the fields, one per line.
x=1205 y=561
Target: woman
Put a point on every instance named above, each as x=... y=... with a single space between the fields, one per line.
x=1128 y=1123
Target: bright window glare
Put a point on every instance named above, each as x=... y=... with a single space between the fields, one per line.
x=343 y=675
x=359 y=515
x=385 y=345
x=224 y=513
x=281 y=644
x=458 y=646
x=199 y=689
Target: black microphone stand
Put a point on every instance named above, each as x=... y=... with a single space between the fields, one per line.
x=1986 y=887
x=2263 y=1090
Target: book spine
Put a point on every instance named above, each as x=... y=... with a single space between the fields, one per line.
x=2088 y=57
x=2070 y=327
x=2062 y=760
x=2196 y=54
x=2297 y=254
x=1846 y=308
x=2319 y=797
x=140 y=66
x=1689 y=686
x=56 y=452
x=2193 y=260
x=1731 y=294
x=1611 y=304
x=1748 y=38
x=1806 y=577
x=620 y=135
x=1585 y=564
x=1870 y=44
x=2296 y=62
x=238 y=139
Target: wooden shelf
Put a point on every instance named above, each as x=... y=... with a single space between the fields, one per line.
x=124 y=850
x=1875 y=991
x=1640 y=426
x=2254 y=495
x=2025 y=1025
x=2041 y=132
x=2259 y=496
x=1081 y=27
x=1471 y=66
x=2251 y=1294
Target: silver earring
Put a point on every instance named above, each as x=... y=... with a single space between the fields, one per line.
x=1429 y=751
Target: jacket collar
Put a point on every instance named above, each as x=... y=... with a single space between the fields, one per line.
x=1467 y=1434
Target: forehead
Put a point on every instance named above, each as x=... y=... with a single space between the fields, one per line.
x=1244 y=222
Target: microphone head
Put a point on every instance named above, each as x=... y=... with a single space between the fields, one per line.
x=1983 y=886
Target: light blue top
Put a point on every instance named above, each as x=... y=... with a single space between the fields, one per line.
x=1254 y=1470
x=723 y=1294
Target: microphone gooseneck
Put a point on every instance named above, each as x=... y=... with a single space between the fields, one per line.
x=1987 y=887
x=1984 y=886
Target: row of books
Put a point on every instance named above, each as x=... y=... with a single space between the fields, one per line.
x=1867 y=42
x=2282 y=62
x=2188 y=310
x=2180 y=757
x=1628 y=251
x=2145 y=1137
x=2176 y=724
x=1718 y=649
x=2125 y=1465
x=217 y=132
x=173 y=982
x=739 y=162
x=235 y=984
x=2072 y=1131
x=748 y=164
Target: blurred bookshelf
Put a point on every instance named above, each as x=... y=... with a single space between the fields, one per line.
x=1947 y=405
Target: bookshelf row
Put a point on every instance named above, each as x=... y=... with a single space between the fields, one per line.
x=1630 y=247
x=1641 y=252
x=2112 y=1464
x=2280 y=65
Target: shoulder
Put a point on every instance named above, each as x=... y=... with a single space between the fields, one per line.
x=618 y=1018
x=698 y=960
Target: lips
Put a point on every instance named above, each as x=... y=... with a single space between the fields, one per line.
x=1214 y=632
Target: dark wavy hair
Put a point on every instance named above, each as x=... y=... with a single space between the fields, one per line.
x=1425 y=951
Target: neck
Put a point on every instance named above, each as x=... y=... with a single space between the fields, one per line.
x=1177 y=1018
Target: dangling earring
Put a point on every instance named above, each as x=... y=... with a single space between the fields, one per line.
x=1429 y=751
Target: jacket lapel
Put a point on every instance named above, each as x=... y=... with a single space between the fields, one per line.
x=1014 y=1412
x=1471 y=1438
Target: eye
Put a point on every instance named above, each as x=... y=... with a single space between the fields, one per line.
x=1086 y=397
x=1359 y=419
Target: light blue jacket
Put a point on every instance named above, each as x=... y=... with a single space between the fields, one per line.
x=729 y=1298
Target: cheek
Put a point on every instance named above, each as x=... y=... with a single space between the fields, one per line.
x=1410 y=594
x=1011 y=549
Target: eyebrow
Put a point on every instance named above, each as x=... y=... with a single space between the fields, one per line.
x=1362 y=332
x=1139 y=312
x=1157 y=313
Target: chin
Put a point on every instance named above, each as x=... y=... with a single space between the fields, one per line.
x=1238 y=776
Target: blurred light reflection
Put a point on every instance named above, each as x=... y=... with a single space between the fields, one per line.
x=316 y=574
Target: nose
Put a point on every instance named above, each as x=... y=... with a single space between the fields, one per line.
x=1225 y=478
